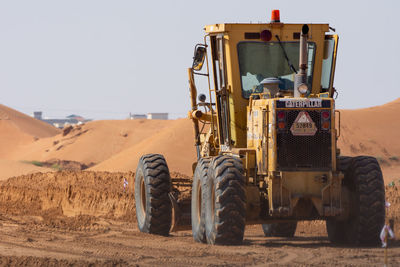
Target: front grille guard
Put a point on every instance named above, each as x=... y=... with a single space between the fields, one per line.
x=304 y=152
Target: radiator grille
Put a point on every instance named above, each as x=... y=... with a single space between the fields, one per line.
x=304 y=152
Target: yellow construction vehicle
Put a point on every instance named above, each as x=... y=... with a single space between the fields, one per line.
x=266 y=143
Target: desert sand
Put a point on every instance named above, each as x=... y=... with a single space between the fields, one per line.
x=53 y=213
x=373 y=131
x=85 y=218
x=116 y=145
x=10 y=168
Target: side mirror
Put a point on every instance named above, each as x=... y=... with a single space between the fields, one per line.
x=199 y=56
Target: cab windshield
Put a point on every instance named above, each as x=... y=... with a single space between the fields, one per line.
x=260 y=60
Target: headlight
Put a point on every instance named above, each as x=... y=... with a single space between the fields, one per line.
x=303 y=88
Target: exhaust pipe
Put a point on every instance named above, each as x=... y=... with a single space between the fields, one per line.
x=300 y=80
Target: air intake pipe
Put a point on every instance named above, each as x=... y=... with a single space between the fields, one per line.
x=300 y=80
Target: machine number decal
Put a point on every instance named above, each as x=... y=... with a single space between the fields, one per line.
x=303 y=125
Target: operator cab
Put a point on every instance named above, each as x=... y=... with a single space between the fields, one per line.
x=248 y=58
x=263 y=60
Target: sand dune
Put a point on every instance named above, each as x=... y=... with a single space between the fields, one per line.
x=175 y=143
x=116 y=145
x=10 y=168
x=18 y=129
x=373 y=131
x=27 y=124
x=93 y=142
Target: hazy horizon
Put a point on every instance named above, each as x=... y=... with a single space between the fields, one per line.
x=103 y=59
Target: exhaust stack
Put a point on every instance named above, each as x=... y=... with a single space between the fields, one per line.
x=300 y=80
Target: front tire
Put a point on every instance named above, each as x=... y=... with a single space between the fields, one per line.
x=363 y=178
x=225 y=201
x=152 y=186
x=197 y=212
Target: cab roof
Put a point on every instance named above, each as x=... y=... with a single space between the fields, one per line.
x=228 y=27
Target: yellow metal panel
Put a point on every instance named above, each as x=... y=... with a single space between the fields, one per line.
x=305 y=184
x=336 y=38
x=233 y=34
x=286 y=28
x=318 y=38
x=252 y=124
x=215 y=28
x=334 y=134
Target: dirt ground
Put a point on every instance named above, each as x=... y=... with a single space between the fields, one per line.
x=87 y=218
x=25 y=241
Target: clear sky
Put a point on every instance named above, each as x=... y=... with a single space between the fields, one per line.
x=104 y=59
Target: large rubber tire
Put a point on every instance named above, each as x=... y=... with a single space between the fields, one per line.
x=152 y=186
x=343 y=163
x=280 y=229
x=336 y=229
x=363 y=178
x=197 y=212
x=224 y=201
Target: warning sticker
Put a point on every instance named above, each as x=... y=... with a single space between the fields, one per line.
x=303 y=125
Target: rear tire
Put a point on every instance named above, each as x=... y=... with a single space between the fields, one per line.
x=363 y=178
x=197 y=212
x=336 y=229
x=343 y=163
x=152 y=186
x=225 y=201
x=280 y=229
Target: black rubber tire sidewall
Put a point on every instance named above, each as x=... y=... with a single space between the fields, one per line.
x=208 y=188
x=140 y=215
x=225 y=191
x=198 y=225
x=367 y=204
x=157 y=218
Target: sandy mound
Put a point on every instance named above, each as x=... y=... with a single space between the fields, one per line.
x=17 y=129
x=99 y=194
x=26 y=123
x=373 y=131
x=10 y=168
x=93 y=142
x=117 y=145
x=175 y=143
x=67 y=193
x=71 y=193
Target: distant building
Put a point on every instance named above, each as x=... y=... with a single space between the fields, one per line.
x=149 y=116
x=61 y=123
x=75 y=117
x=137 y=116
x=38 y=115
x=157 y=116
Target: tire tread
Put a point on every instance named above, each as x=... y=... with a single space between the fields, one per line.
x=230 y=198
x=158 y=216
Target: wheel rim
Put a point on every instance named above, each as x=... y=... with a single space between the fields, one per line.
x=199 y=199
x=143 y=197
x=212 y=203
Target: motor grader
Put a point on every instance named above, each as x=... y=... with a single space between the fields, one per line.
x=266 y=142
